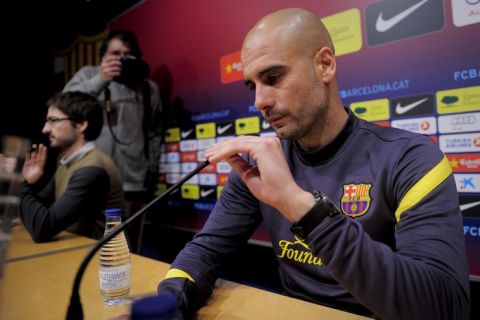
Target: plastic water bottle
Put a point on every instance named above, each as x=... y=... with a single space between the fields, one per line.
x=114 y=271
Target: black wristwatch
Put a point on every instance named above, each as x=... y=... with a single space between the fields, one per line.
x=323 y=208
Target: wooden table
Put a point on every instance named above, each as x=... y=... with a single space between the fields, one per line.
x=22 y=246
x=37 y=286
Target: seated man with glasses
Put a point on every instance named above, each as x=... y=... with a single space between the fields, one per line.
x=86 y=181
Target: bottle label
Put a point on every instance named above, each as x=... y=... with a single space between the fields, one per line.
x=112 y=278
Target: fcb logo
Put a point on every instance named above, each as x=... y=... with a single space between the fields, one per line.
x=356 y=199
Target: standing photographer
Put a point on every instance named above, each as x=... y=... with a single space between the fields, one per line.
x=131 y=131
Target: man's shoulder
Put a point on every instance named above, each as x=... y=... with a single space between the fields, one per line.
x=96 y=161
x=99 y=158
x=89 y=70
x=388 y=134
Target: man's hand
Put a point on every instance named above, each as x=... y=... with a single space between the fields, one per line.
x=34 y=163
x=270 y=180
x=110 y=67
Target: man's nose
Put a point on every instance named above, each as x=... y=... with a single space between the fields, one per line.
x=46 y=128
x=263 y=98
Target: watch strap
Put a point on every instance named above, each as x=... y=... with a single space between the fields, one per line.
x=323 y=208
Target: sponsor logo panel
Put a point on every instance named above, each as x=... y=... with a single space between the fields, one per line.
x=427 y=125
x=470 y=205
x=372 y=110
x=207 y=179
x=172 y=147
x=467 y=162
x=173 y=167
x=187 y=133
x=219 y=191
x=162 y=168
x=172 y=135
x=268 y=134
x=346 y=31
x=222 y=179
x=463 y=122
x=211 y=168
x=266 y=127
x=161 y=188
x=388 y=21
x=190 y=156
x=192 y=180
x=226 y=129
x=173 y=157
x=188 y=145
x=191 y=192
x=231 y=68
x=458 y=100
x=205 y=130
x=220 y=139
x=412 y=106
x=465 y=12
x=383 y=123
x=467 y=183
x=172 y=178
x=249 y=125
x=203 y=144
x=457 y=143
x=188 y=166
x=201 y=156
x=223 y=167
x=208 y=192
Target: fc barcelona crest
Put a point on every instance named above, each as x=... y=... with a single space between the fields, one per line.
x=356 y=199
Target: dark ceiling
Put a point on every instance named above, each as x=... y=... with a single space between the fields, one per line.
x=69 y=18
x=34 y=30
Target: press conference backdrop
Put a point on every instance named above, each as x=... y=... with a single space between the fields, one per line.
x=411 y=64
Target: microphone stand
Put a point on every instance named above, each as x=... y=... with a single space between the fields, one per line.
x=75 y=311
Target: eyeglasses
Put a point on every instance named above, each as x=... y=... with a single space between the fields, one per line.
x=52 y=120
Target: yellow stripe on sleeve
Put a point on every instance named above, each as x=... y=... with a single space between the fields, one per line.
x=177 y=273
x=424 y=186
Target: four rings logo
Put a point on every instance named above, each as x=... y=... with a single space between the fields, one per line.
x=462 y=120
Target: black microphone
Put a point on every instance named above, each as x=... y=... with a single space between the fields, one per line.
x=75 y=311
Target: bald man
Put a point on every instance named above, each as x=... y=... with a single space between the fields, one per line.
x=361 y=217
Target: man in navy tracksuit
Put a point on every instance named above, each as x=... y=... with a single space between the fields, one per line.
x=393 y=249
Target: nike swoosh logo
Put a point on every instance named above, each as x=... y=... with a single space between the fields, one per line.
x=205 y=193
x=265 y=125
x=221 y=130
x=401 y=110
x=467 y=206
x=186 y=133
x=383 y=25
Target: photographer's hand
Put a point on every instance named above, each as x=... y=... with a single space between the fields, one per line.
x=34 y=163
x=110 y=67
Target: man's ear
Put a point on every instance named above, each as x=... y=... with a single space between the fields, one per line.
x=82 y=126
x=326 y=64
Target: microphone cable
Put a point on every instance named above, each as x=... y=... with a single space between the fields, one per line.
x=75 y=311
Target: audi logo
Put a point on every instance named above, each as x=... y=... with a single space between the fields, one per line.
x=463 y=119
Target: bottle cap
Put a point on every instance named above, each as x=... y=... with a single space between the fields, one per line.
x=162 y=306
x=113 y=212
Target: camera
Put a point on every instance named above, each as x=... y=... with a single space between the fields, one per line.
x=134 y=71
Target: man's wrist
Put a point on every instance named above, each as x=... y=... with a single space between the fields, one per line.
x=314 y=216
x=295 y=204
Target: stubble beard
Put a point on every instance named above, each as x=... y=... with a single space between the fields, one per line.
x=310 y=119
x=63 y=144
